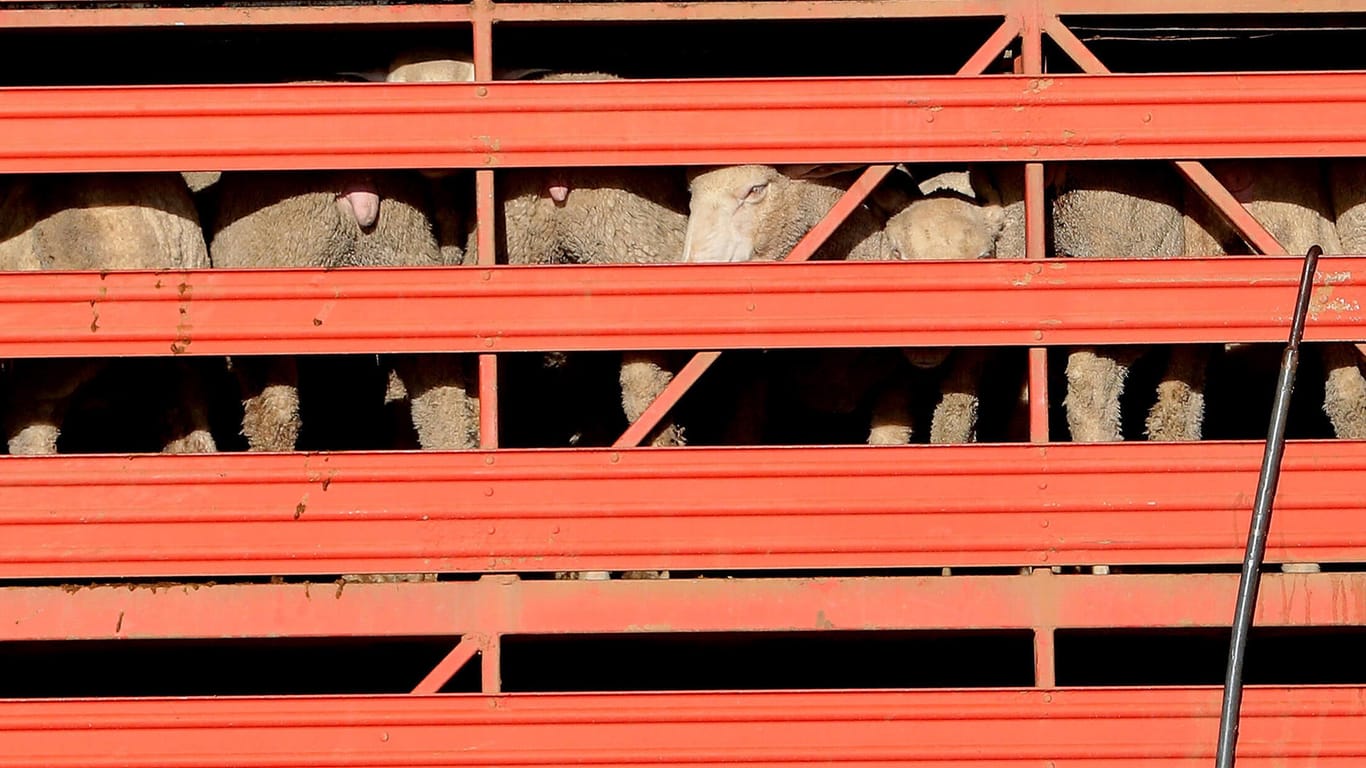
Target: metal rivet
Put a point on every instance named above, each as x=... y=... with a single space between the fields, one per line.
x=488 y=491
x=616 y=457
x=482 y=91
x=1038 y=335
x=488 y=459
x=1043 y=524
x=488 y=342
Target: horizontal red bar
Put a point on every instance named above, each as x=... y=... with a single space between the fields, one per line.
x=19 y=16
x=502 y=605
x=965 y=729
x=693 y=306
x=660 y=122
x=549 y=510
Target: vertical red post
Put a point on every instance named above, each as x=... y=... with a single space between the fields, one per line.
x=491 y=658
x=1036 y=246
x=481 y=13
x=1045 y=668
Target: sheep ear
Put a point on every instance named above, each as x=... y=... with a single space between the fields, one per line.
x=959 y=182
x=818 y=171
x=891 y=198
x=983 y=189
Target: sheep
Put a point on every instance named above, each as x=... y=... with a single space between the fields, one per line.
x=112 y=221
x=960 y=216
x=1301 y=204
x=1344 y=388
x=759 y=213
x=601 y=216
x=1125 y=211
x=341 y=219
x=753 y=212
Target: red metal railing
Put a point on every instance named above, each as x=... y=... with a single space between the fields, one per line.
x=998 y=505
x=1168 y=727
x=514 y=309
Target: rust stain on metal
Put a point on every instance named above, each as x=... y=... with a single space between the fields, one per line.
x=822 y=621
x=1039 y=85
x=183 y=324
x=300 y=507
x=1325 y=300
x=118 y=625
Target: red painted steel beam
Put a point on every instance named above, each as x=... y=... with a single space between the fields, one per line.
x=1184 y=7
x=970 y=729
x=378 y=125
x=986 y=505
x=687 y=306
x=507 y=605
x=16 y=15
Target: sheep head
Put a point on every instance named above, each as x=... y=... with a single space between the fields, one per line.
x=944 y=227
x=732 y=213
x=430 y=67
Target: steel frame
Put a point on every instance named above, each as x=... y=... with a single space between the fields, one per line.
x=84 y=516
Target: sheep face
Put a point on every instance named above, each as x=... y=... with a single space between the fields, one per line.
x=947 y=227
x=728 y=211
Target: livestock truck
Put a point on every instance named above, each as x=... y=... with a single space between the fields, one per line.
x=555 y=592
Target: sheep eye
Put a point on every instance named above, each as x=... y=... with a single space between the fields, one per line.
x=756 y=192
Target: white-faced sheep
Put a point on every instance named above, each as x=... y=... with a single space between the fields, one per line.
x=104 y=222
x=743 y=213
x=340 y=219
x=959 y=217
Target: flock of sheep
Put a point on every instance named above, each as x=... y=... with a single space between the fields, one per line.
x=652 y=215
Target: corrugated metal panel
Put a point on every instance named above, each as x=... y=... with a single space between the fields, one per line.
x=822 y=120
x=694 y=306
x=695 y=508
x=1323 y=727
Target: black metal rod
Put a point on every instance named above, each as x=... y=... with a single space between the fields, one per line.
x=1250 y=580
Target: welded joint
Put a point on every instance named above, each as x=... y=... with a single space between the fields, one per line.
x=450 y=665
